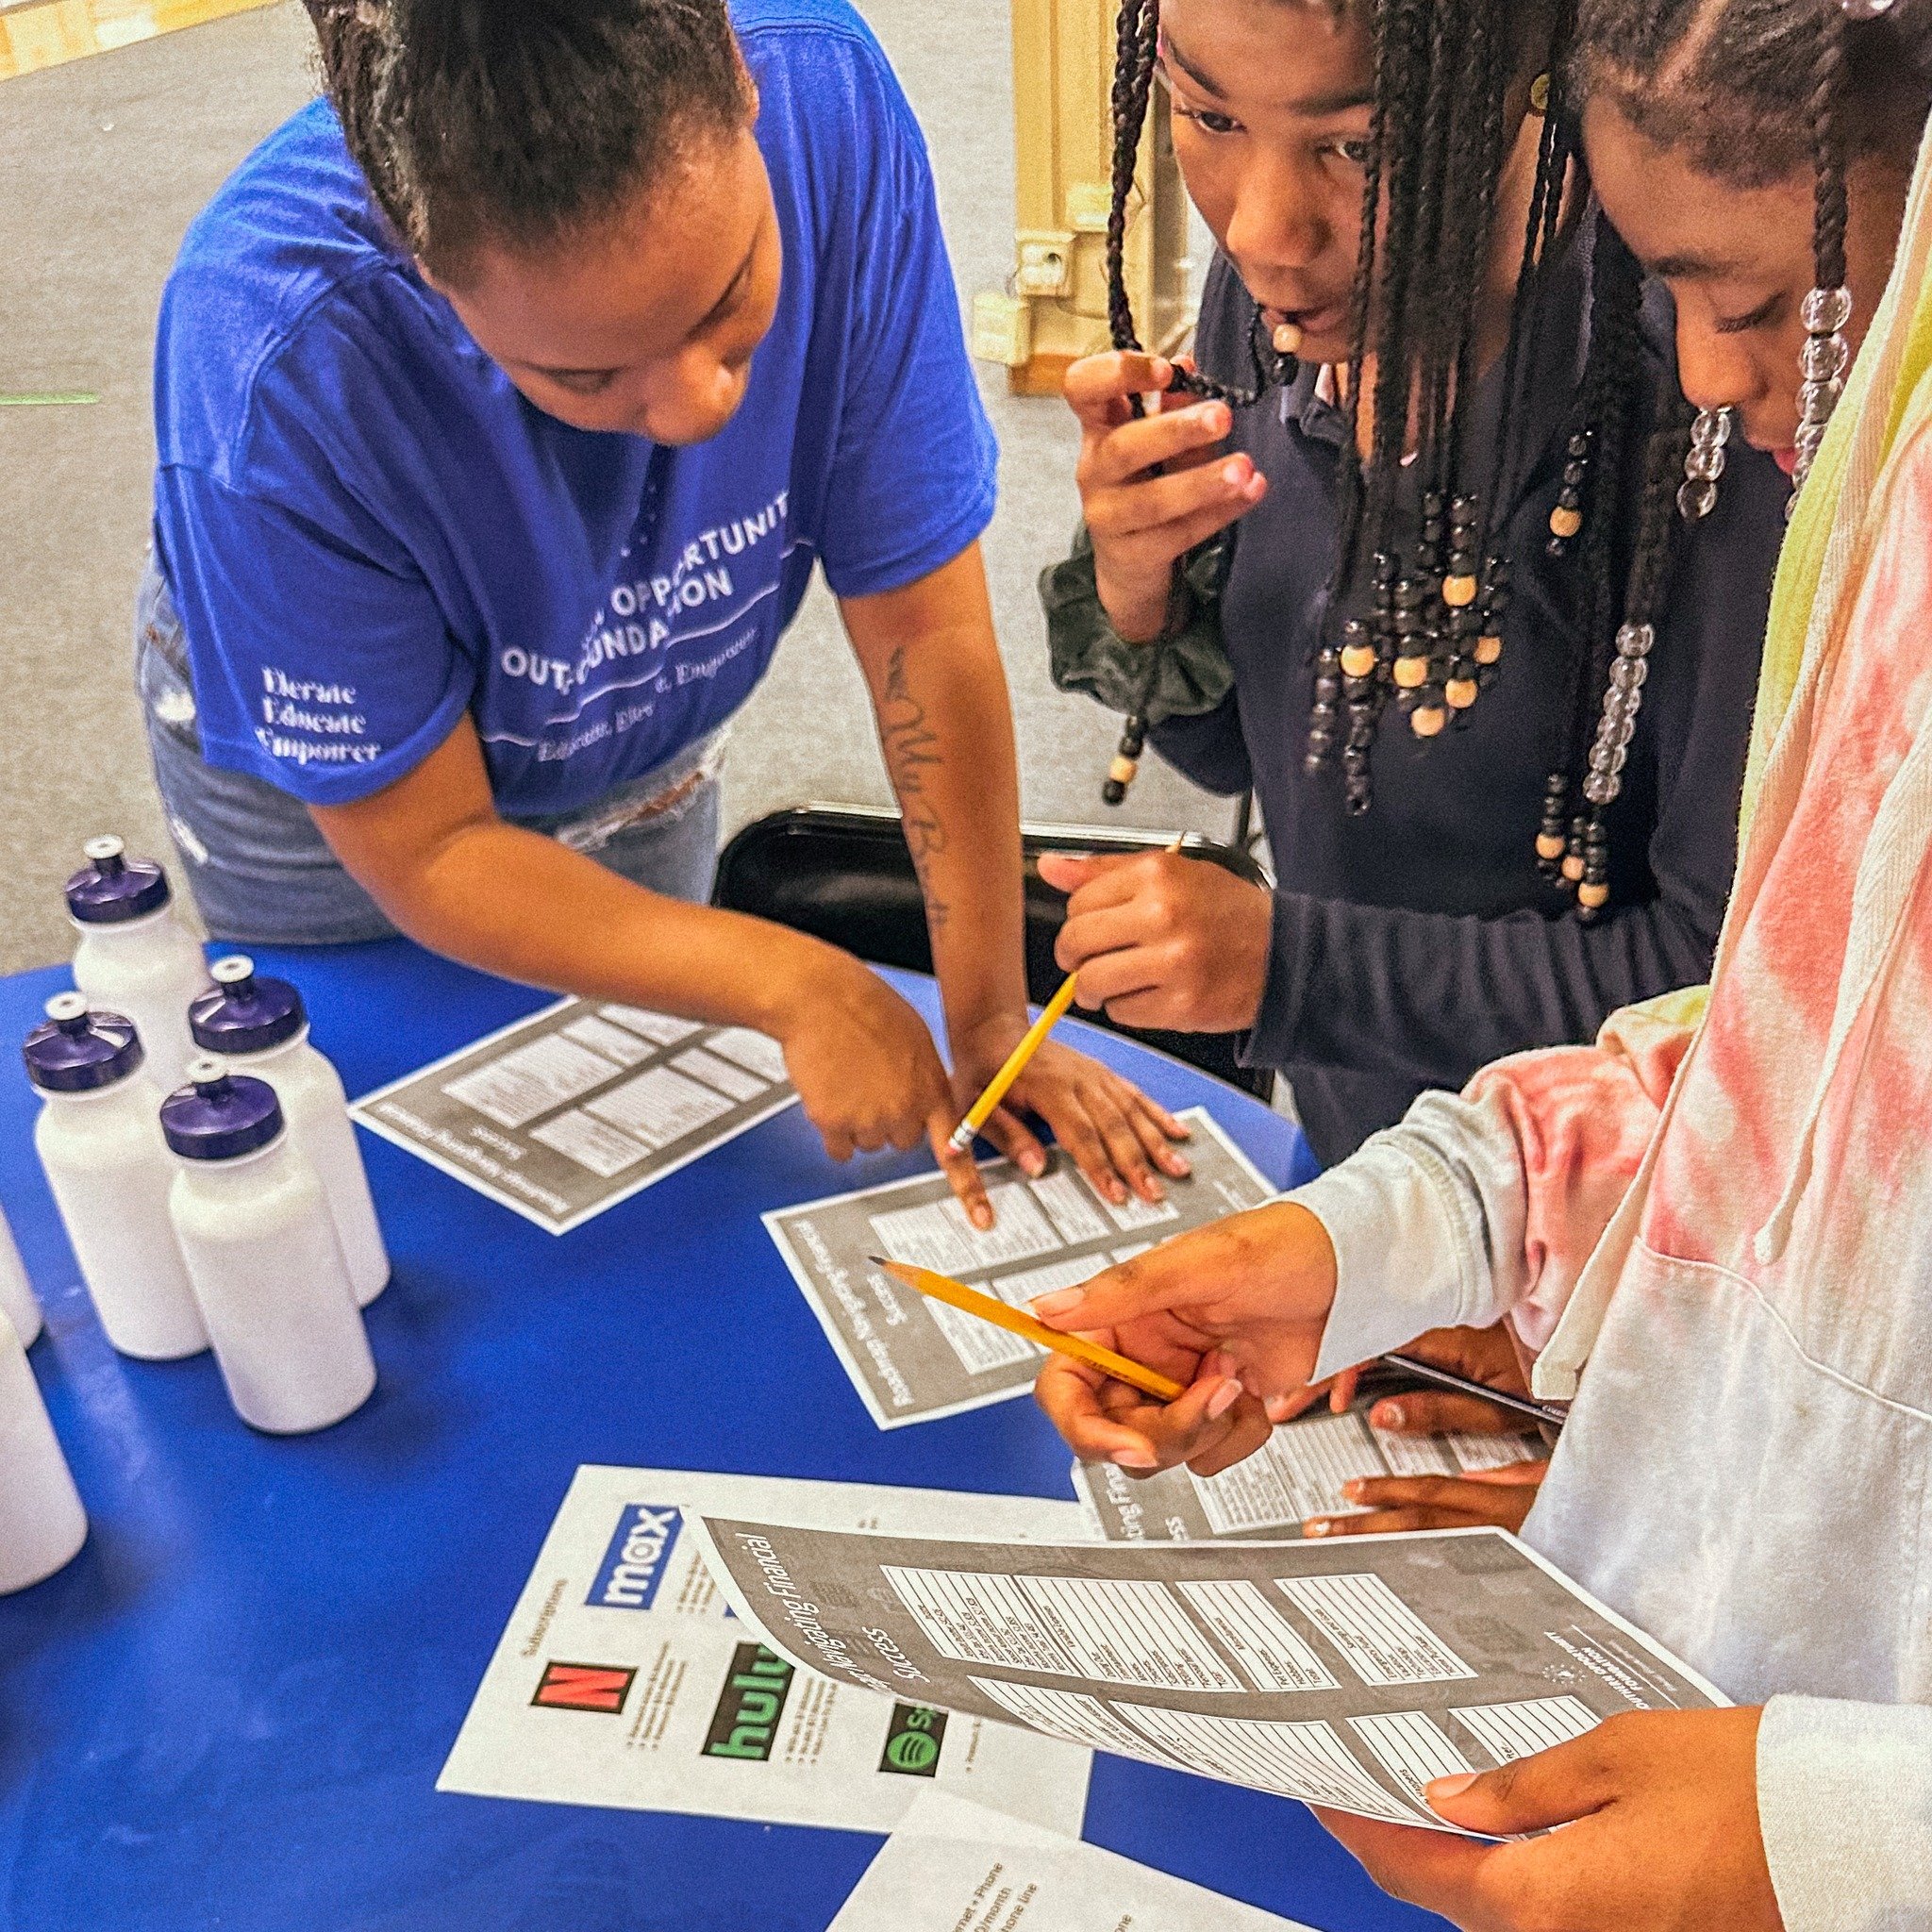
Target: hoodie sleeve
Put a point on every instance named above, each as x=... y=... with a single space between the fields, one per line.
x=1844 y=1800
x=1486 y=1203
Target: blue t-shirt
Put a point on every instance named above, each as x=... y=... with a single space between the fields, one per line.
x=367 y=530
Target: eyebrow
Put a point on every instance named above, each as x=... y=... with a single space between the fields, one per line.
x=717 y=308
x=1689 y=268
x=1314 y=107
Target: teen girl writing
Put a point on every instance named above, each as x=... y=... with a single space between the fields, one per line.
x=1718 y=1237
x=506 y=401
x=1405 y=642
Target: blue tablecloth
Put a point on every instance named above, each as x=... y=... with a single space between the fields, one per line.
x=230 y=1710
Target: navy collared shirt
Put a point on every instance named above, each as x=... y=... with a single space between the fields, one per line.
x=1416 y=944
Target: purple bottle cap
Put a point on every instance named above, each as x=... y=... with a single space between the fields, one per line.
x=245 y=1014
x=220 y=1115
x=112 y=887
x=79 y=1052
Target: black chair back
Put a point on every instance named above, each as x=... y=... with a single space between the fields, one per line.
x=843 y=874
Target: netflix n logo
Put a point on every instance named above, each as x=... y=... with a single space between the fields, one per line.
x=584 y=1687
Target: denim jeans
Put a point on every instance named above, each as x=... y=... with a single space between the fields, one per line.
x=262 y=874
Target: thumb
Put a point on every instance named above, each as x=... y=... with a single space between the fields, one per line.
x=1552 y=1787
x=1067 y=871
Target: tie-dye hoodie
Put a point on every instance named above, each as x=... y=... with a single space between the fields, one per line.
x=1731 y=1223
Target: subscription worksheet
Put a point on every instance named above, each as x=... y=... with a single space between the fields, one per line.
x=575 y=1108
x=1344 y=1673
x=912 y=1359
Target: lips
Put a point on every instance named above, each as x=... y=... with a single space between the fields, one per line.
x=1328 y=321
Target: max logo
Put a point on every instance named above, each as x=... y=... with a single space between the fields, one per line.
x=745 y=1723
x=635 y=1563
x=583 y=1687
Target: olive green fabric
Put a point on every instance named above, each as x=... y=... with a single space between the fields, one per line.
x=1190 y=670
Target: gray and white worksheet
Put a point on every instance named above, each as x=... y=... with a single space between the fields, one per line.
x=580 y=1106
x=954 y=1866
x=912 y=1359
x=622 y=1677
x=1344 y=1673
x=1296 y=1473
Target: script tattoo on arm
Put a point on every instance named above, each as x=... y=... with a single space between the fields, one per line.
x=912 y=753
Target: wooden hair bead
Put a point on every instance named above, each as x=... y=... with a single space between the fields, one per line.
x=1358 y=660
x=1122 y=769
x=1565 y=523
x=1549 y=845
x=1592 y=896
x=1411 y=674
x=1462 y=692
x=1458 y=591
x=1572 y=865
x=1488 y=647
x=1427 y=721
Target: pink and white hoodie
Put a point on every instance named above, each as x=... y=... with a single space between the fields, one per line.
x=1733 y=1227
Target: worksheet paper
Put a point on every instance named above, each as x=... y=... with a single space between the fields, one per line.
x=1296 y=1473
x=1344 y=1673
x=577 y=1108
x=956 y=1867
x=912 y=1359
x=623 y=1679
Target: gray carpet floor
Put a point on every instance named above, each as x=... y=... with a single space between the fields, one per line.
x=107 y=159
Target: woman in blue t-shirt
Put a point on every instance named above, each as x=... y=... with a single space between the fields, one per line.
x=505 y=401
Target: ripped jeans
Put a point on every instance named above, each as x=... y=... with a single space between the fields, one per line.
x=262 y=873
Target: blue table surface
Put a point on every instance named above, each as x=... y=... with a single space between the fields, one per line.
x=230 y=1709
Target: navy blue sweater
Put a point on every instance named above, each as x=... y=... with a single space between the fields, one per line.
x=1417 y=942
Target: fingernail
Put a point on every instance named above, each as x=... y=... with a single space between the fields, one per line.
x=1162 y=369
x=1440 y=1788
x=1235 y=474
x=1352 y=1489
x=1277 y=1408
x=1063 y=1301
x=1255 y=486
x=1035 y=1164
x=1317 y=1525
x=1117 y=1193
x=981 y=1215
x=1387 y=1415
x=1223 y=1400
x=1177 y=1164
x=1136 y=1459
x=1215 y=417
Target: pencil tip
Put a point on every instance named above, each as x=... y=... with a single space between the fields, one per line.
x=879 y=1261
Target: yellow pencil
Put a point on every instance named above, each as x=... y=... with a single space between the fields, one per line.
x=942 y=1288
x=1051 y=1015
x=981 y=1110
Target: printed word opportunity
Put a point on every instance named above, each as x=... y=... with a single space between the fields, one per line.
x=655 y=635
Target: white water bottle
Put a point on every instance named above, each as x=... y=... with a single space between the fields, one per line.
x=100 y=1141
x=252 y=1219
x=17 y=1301
x=260 y=1026
x=42 y=1523
x=134 y=957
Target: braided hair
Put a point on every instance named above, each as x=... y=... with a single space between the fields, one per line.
x=519 y=122
x=1424 y=598
x=1751 y=91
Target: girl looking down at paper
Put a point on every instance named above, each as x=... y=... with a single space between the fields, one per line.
x=1716 y=1235
x=506 y=400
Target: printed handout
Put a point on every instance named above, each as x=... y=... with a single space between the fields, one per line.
x=911 y=1359
x=1296 y=1473
x=953 y=1866
x=564 y=1114
x=1344 y=1673
x=623 y=1679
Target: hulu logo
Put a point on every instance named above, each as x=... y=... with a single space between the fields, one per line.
x=745 y=1723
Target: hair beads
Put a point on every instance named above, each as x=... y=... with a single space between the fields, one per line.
x=1137 y=48
x=1823 y=360
x=1704 y=465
